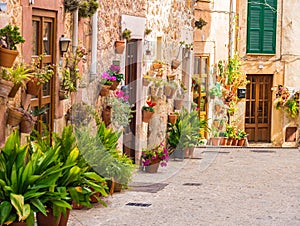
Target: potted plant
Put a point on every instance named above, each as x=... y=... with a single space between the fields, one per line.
x=126 y=34
x=86 y=8
x=41 y=74
x=120 y=109
x=200 y=23
x=107 y=80
x=172 y=117
x=151 y=158
x=114 y=70
x=215 y=91
x=170 y=89
x=70 y=72
x=178 y=101
x=241 y=135
x=19 y=75
x=175 y=62
x=148 y=111
x=9 y=38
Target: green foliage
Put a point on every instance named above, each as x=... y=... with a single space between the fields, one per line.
x=11 y=37
x=292 y=107
x=126 y=34
x=86 y=8
x=215 y=92
x=41 y=73
x=200 y=23
x=19 y=74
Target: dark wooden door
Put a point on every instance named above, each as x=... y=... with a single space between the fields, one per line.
x=258 y=108
x=130 y=82
x=43 y=43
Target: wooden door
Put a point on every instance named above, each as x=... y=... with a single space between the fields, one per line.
x=258 y=108
x=130 y=82
x=43 y=42
x=199 y=85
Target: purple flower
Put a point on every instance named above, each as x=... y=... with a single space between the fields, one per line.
x=105 y=75
x=146 y=162
x=114 y=68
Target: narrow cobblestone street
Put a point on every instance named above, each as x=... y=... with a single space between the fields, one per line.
x=216 y=187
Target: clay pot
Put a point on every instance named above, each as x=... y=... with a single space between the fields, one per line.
x=7 y=57
x=33 y=88
x=114 y=85
x=106 y=116
x=48 y=220
x=64 y=219
x=146 y=116
x=18 y=224
x=119 y=46
x=172 y=118
x=178 y=104
x=241 y=142
x=215 y=141
x=104 y=90
x=14 y=116
x=26 y=125
x=223 y=141
x=5 y=88
x=14 y=90
x=175 y=64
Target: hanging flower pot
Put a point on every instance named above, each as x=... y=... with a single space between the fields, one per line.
x=15 y=116
x=104 y=90
x=63 y=94
x=27 y=123
x=175 y=64
x=171 y=77
x=172 y=118
x=33 y=88
x=178 y=104
x=119 y=47
x=146 y=116
x=5 y=87
x=7 y=57
x=146 y=82
x=114 y=85
x=106 y=116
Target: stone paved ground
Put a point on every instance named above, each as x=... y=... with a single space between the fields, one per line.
x=237 y=187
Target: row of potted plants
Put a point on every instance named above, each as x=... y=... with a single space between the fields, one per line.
x=232 y=136
x=45 y=175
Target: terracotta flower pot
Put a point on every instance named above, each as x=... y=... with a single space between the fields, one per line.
x=178 y=104
x=7 y=57
x=64 y=219
x=14 y=116
x=119 y=47
x=26 y=125
x=241 y=142
x=49 y=220
x=104 y=90
x=153 y=168
x=106 y=116
x=215 y=141
x=18 y=224
x=223 y=141
x=146 y=116
x=114 y=85
x=146 y=82
x=172 y=118
x=5 y=87
x=175 y=64
x=33 y=88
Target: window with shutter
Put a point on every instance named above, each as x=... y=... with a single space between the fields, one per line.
x=261 y=27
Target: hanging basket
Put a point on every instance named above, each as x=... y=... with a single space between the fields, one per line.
x=169 y=92
x=146 y=82
x=32 y=88
x=146 y=116
x=63 y=94
x=15 y=116
x=106 y=116
x=172 y=118
x=178 y=104
x=5 y=87
x=104 y=90
x=114 y=86
x=119 y=47
x=175 y=64
x=26 y=125
x=7 y=57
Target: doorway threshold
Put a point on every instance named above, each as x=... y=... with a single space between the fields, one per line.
x=260 y=145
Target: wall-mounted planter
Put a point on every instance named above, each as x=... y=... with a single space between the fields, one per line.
x=5 y=87
x=7 y=57
x=119 y=47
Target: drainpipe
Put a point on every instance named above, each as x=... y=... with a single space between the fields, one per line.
x=232 y=27
x=93 y=70
x=75 y=31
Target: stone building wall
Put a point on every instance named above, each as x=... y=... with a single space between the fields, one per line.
x=284 y=65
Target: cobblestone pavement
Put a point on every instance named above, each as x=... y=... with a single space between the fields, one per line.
x=226 y=187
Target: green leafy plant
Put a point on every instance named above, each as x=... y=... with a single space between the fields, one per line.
x=292 y=107
x=19 y=74
x=41 y=74
x=10 y=37
x=126 y=34
x=200 y=23
x=86 y=8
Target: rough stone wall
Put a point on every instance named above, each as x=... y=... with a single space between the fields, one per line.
x=284 y=65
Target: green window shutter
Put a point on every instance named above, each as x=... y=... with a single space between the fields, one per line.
x=261 y=28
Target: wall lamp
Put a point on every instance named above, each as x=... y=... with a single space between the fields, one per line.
x=64 y=44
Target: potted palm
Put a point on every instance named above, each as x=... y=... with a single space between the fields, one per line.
x=9 y=38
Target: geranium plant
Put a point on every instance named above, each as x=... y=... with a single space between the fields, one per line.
x=149 y=106
x=107 y=79
x=114 y=70
x=155 y=155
